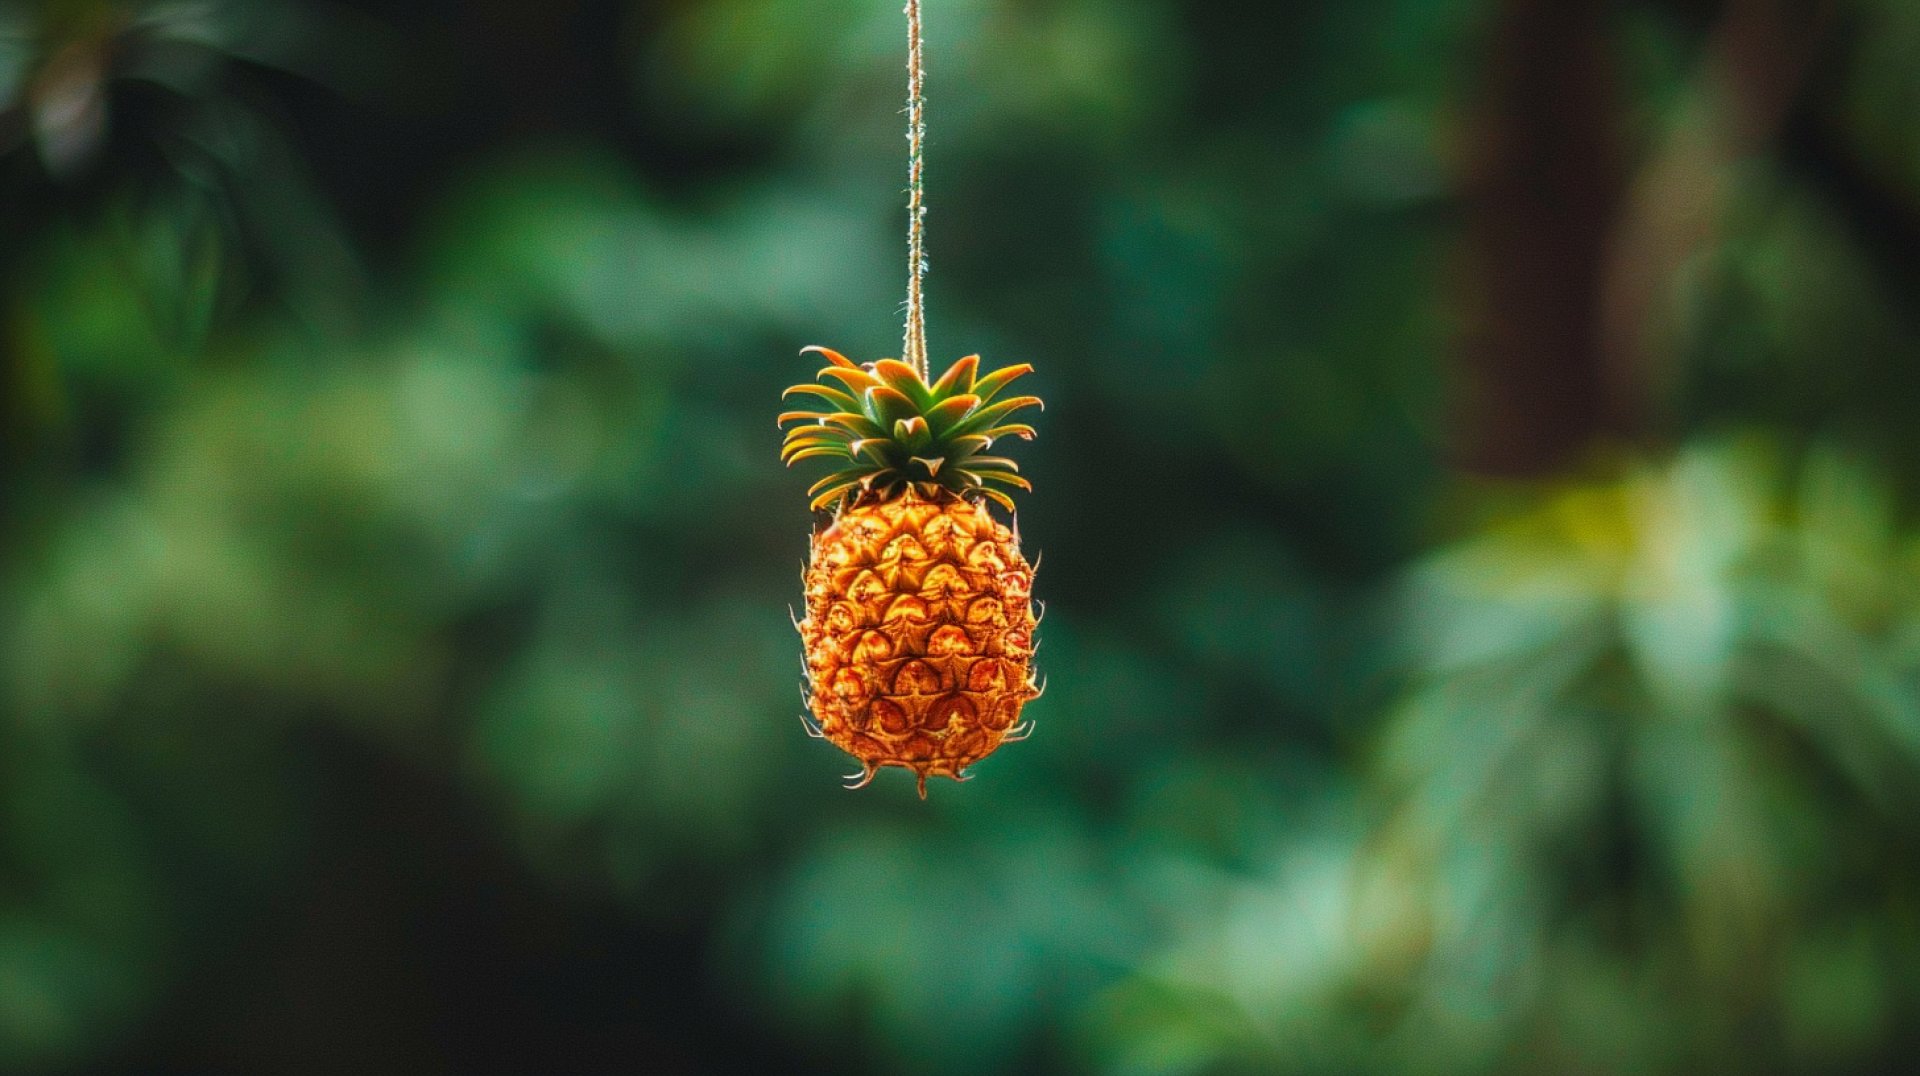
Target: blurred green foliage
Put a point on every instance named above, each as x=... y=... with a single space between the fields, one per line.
x=395 y=672
x=1660 y=733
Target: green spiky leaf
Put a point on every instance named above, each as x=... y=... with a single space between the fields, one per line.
x=888 y=406
x=827 y=393
x=958 y=380
x=985 y=418
x=902 y=379
x=989 y=386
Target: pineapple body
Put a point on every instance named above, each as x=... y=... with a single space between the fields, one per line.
x=919 y=634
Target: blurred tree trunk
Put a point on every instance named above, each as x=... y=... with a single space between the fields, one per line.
x=1543 y=186
x=1569 y=249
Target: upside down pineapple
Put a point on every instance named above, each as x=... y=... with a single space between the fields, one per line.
x=919 y=625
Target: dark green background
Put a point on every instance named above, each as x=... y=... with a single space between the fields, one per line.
x=1476 y=501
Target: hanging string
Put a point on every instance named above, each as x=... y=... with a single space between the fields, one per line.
x=914 y=351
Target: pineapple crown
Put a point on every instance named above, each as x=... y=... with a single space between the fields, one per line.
x=889 y=430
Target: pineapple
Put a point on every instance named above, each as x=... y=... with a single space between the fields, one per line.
x=919 y=625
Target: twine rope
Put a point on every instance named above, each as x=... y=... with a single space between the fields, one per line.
x=914 y=350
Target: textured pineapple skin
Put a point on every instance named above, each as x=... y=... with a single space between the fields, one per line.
x=919 y=634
